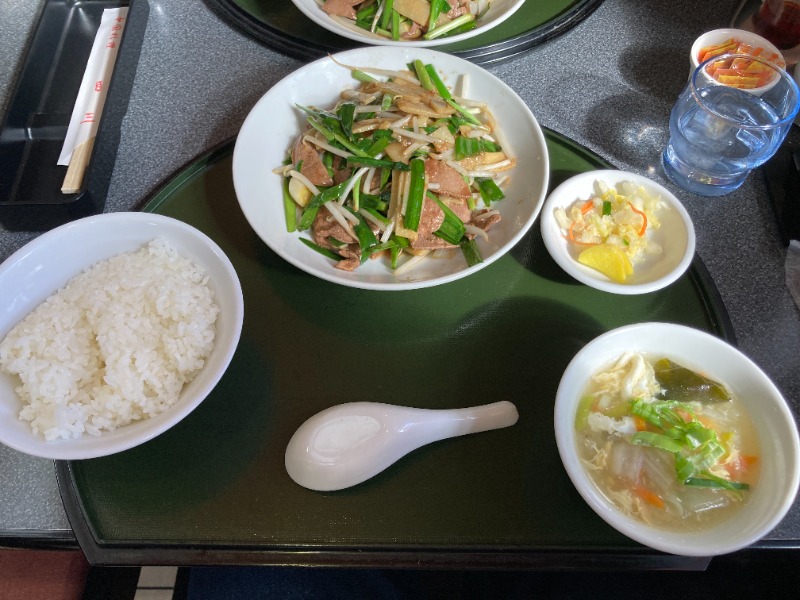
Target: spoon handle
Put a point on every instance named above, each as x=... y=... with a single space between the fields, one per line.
x=483 y=418
x=425 y=426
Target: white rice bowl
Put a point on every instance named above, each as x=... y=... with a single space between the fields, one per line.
x=147 y=315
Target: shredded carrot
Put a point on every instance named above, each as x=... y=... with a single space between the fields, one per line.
x=706 y=422
x=571 y=237
x=739 y=466
x=585 y=208
x=639 y=423
x=644 y=219
x=648 y=496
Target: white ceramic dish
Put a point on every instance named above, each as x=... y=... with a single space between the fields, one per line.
x=717 y=36
x=274 y=123
x=676 y=236
x=44 y=265
x=777 y=486
x=499 y=11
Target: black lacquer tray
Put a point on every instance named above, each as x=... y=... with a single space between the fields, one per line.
x=213 y=490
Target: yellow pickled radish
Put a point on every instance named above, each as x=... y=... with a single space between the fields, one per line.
x=611 y=261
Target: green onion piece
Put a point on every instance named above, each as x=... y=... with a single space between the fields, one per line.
x=380 y=217
x=465 y=146
x=347 y=111
x=447 y=96
x=655 y=440
x=395 y=28
x=327 y=160
x=386 y=103
x=469 y=248
x=582 y=414
x=646 y=411
x=339 y=137
x=684 y=468
x=401 y=241
x=367 y=13
x=326 y=195
x=360 y=75
x=490 y=191
x=336 y=243
x=468 y=115
x=366 y=239
x=385 y=175
x=464 y=28
x=438 y=83
x=416 y=194
x=324 y=251
x=452 y=228
x=697 y=435
x=325 y=131
x=378 y=146
x=374 y=162
x=395 y=254
x=420 y=69
x=307 y=218
x=437 y=8
x=448 y=27
x=388 y=8
x=373 y=202
x=712 y=481
x=289 y=208
x=606 y=208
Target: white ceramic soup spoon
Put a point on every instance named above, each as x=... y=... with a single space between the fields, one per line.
x=347 y=444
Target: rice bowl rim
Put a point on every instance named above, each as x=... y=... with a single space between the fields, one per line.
x=108 y=235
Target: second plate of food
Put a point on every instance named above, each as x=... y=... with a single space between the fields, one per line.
x=446 y=139
x=373 y=23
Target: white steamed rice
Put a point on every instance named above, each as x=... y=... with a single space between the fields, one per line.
x=115 y=345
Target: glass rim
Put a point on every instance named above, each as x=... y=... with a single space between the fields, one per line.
x=781 y=72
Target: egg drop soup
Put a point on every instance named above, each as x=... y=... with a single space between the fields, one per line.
x=665 y=444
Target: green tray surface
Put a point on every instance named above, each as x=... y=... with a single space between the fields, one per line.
x=507 y=332
x=281 y=25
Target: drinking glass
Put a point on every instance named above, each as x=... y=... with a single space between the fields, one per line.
x=719 y=133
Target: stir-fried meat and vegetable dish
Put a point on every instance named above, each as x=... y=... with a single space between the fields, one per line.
x=409 y=19
x=399 y=167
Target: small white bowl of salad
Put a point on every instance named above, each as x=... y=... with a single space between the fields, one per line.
x=420 y=23
x=618 y=232
x=677 y=439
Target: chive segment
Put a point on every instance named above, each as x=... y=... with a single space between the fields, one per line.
x=416 y=194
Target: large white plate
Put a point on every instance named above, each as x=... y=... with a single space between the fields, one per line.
x=499 y=11
x=274 y=122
